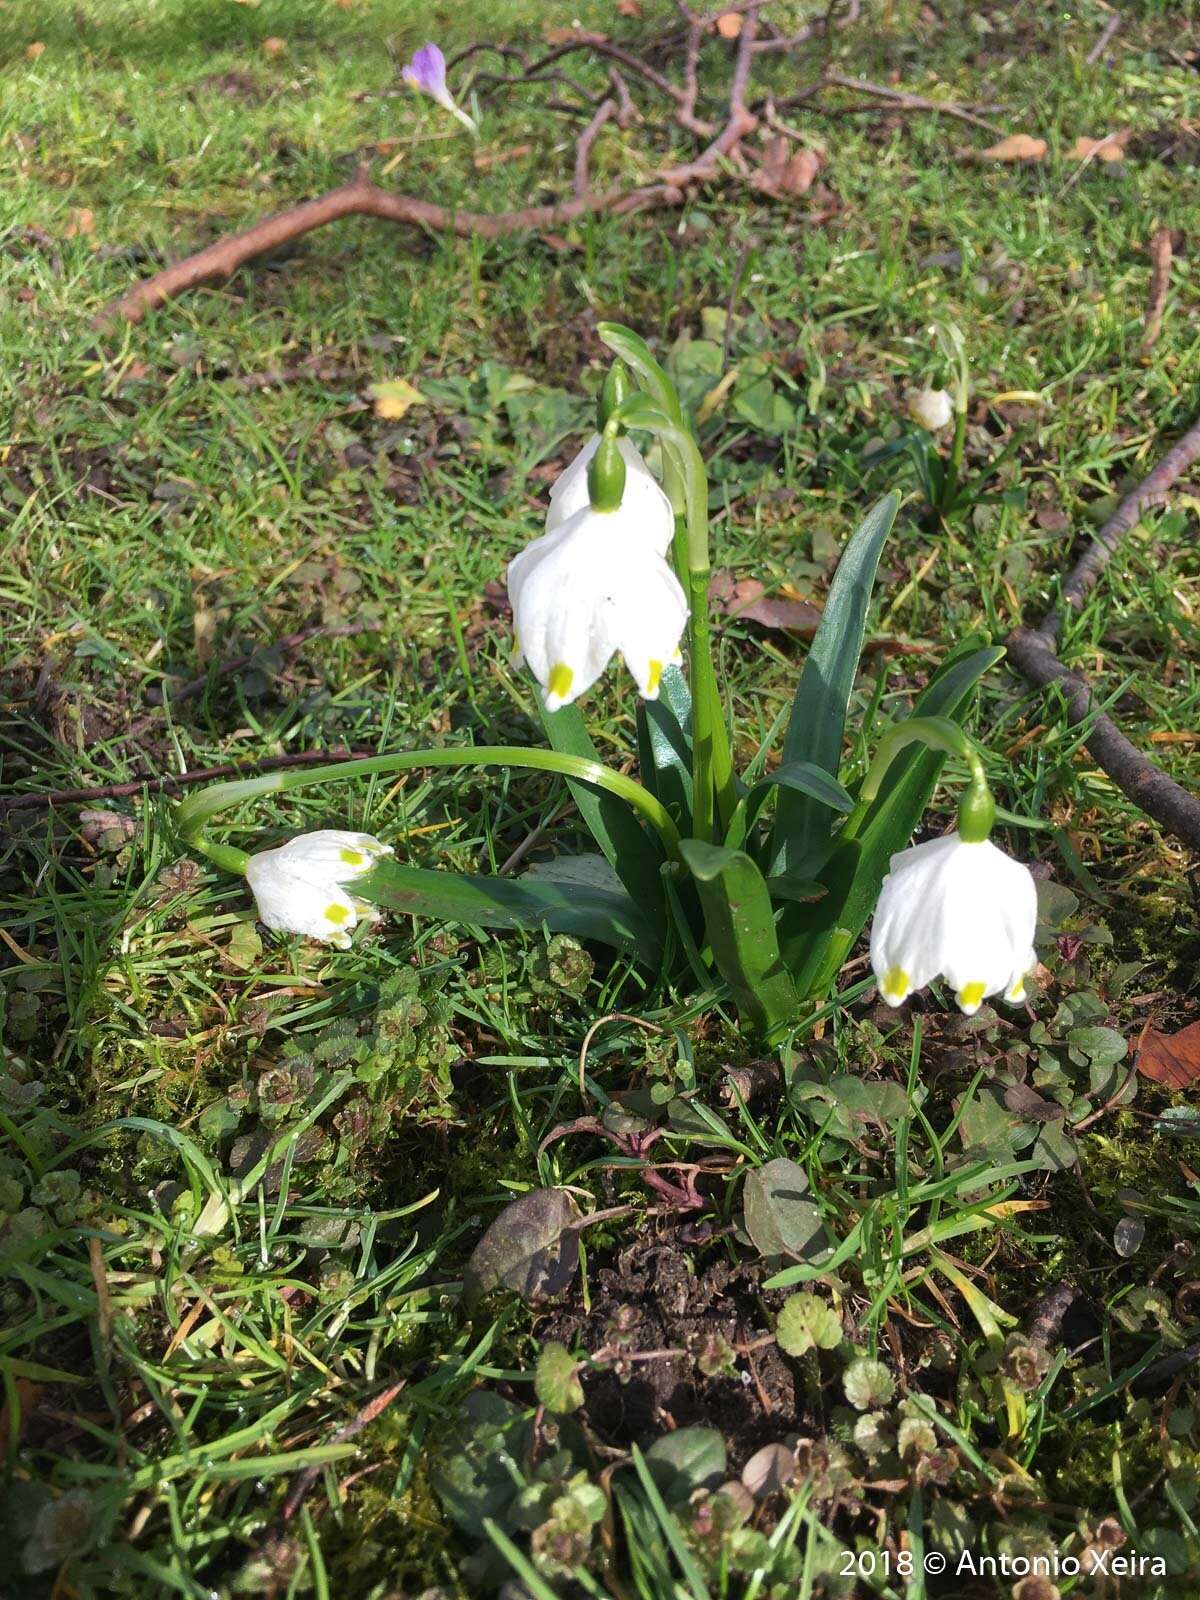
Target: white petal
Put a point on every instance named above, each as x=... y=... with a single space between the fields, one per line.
x=290 y=903
x=333 y=854
x=643 y=504
x=964 y=911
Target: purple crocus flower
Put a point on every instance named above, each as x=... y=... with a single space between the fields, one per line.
x=427 y=72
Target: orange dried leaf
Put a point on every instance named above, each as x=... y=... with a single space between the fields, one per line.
x=34 y=50
x=729 y=24
x=628 y=8
x=1017 y=147
x=274 y=46
x=1110 y=148
x=1172 y=1059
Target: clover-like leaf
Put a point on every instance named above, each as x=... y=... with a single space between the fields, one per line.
x=686 y=1460
x=556 y=1379
x=867 y=1384
x=806 y=1323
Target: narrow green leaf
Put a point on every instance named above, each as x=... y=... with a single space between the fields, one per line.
x=741 y=931
x=576 y=908
x=811 y=780
x=633 y=855
x=802 y=824
x=817 y=938
x=665 y=746
x=635 y=353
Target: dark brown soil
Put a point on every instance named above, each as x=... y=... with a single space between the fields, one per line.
x=652 y=1298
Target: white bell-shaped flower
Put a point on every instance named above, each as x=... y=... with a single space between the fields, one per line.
x=965 y=912
x=301 y=887
x=933 y=409
x=643 y=501
x=594 y=586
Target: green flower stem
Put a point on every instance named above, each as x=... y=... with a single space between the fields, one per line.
x=976 y=809
x=198 y=810
x=685 y=481
x=951 y=340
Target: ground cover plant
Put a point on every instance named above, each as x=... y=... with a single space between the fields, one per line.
x=454 y=1260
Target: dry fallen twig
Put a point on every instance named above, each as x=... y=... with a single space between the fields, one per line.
x=1033 y=651
x=1160 y=283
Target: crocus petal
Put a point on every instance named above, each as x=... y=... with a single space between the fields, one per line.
x=427 y=70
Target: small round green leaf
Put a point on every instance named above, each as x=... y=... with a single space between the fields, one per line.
x=556 y=1379
x=868 y=1384
x=807 y=1323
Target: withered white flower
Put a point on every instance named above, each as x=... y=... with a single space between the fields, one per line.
x=931 y=408
x=965 y=912
x=300 y=887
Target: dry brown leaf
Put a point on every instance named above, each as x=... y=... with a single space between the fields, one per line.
x=34 y=50
x=1110 y=148
x=485 y=159
x=746 y=598
x=82 y=221
x=1172 y=1059
x=784 y=172
x=554 y=35
x=274 y=46
x=729 y=24
x=1017 y=147
x=628 y=8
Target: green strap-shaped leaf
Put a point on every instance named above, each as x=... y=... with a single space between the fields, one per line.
x=564 y=907
x=633 y=855
x=665 y=746
x=818 y=719
x=741 y=932
x=817 y=938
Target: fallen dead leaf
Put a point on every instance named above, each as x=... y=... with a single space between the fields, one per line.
x=274 y=46
x=34 y=50
x=82 y=221
x=554 y=35
x=746 y=598
x=628 y=8
x=784 y=172
x=1017 y=147
x=1110 y=148
x=1172 y=1059
x=393 y=400
x=483 y=160
x=729 y=24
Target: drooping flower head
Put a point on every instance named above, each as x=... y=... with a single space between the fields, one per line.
x=933 y=409
x=301 y=886
x=597 y=583
x=959 y=910
x=427 y=72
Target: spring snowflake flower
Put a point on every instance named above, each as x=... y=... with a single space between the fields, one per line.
x=301 y=886
x=643 y=500
x=597 y=581
x=933 y=409
x=962 y=911
x=427 y=71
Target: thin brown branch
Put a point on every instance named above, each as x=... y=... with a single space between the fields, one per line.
x=157 y=782
x=1101 y=44
x=1152 y=491
x=627 y=111
x=1160 y=283
x=364 y=198
x=1033 y=651
x=903 y=101
x=583 y=145
x=1150 y=789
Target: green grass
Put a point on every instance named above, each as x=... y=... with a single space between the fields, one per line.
x=269 y=1219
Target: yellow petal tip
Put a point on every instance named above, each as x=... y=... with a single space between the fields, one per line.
x=970 y=996
x=895 y=986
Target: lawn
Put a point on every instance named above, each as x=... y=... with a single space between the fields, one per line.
x=247 y=1343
